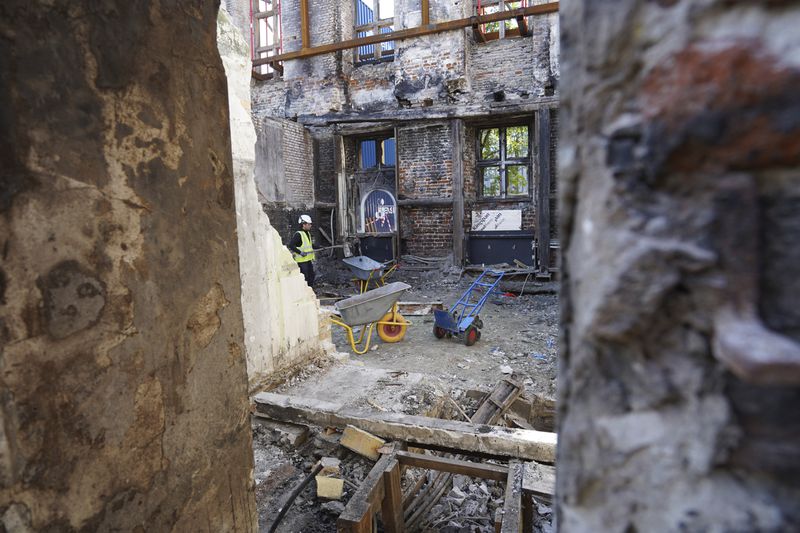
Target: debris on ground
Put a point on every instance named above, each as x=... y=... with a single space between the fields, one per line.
x=421 y=375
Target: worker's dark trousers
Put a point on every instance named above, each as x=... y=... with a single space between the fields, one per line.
x=307 y=268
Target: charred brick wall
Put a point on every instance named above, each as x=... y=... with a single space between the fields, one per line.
x=426 y=231
x=554 y=233
x=298 y=162
x=324 y=149
x=441 y=71
x=426 y=162
x=268 y=99
x=445 y=74
x=425 y=172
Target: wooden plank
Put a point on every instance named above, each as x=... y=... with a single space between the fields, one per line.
x=539 y=480
x=361 y=442
x=517 y=421
x=450 y=25
x=341 y=188
x=478 y=33
x=498 y=401
x=453 y=466
x=426 y=12
x=418 y=430
x=306 y=40
x=392 y=506
x=522 y=23
x=543 y=193
x=527 y=511
x=512 y=506
x=365 y=502
x=358 y=121
x=457 y=157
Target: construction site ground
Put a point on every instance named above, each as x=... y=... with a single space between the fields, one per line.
x=418 y=375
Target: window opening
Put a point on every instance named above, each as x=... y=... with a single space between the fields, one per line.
x=374 y=17
x=265 y=34
x=374 y=153
x=504 y=161
x=501 y=29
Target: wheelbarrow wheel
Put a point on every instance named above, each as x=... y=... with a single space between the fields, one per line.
x=471 y=336
x=439 y=332
x=392 y=332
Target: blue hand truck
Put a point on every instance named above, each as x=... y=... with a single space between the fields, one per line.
x=462 y=319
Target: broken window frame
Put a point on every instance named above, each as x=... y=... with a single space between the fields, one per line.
x=379 y=155
x=503 y=162
x=373 y=53
x=271 y=13
x=506 y=29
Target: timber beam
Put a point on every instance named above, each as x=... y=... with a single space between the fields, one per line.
x=453 y=466
x=399 y=35
x=427 y=114
x=420 y=430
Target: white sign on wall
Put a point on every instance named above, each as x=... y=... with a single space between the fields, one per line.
x=494 y=220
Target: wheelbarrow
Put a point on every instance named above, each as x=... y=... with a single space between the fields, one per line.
x=463 y=320
x=377 y=307
x=367 y=270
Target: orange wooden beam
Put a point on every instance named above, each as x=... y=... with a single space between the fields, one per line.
x=304 y=25
x=399 y=35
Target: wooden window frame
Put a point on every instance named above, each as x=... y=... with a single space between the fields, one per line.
x=521 y=30
x=378 y=52
x=502 y=162
x=269 y=70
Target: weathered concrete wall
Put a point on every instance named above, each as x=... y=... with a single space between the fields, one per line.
x=281 y=313
x=679 y=161
x=124 y=388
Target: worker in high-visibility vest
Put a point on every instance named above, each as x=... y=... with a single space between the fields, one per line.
x=303 y=249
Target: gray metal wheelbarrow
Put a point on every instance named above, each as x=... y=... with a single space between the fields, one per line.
x=367 y=270
x=375 y=307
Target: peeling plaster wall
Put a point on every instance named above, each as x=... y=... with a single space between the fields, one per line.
x=282 y=319
x=124 y=386
x=679 y=160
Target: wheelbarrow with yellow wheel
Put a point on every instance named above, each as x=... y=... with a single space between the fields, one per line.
x=377 y=307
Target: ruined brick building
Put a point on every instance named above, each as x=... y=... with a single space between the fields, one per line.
x=436 y=143
x=123 y=326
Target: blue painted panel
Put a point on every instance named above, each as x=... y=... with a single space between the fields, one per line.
x=369 y=156
x=389 y=152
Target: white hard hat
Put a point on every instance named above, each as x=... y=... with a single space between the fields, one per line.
x=304 y=219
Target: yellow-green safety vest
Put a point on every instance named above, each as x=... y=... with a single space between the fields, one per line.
x=305 y=246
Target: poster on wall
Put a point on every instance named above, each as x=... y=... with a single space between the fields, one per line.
x=497 y=220
x=378 y=212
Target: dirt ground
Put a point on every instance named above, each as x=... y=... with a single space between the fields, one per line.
x=415 y=376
